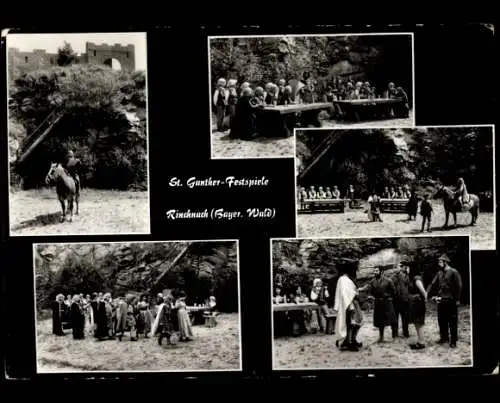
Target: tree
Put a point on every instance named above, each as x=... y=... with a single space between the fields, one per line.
x=66 y=55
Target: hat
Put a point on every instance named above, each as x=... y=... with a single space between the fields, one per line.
x=444 y=258
x=404 y=261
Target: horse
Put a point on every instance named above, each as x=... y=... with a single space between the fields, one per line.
x=66 y=188
x=452 y=205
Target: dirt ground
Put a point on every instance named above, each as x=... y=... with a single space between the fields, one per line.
x=355 y=223
x=400 y=122
x=212 y=349
x=224 y=147
x=102 y=212
x=318 y=351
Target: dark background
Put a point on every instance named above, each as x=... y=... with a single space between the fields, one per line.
x=455 y=71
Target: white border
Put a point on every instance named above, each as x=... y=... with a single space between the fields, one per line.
x=210 y=96
x=148 y=232
x=409 y=128
x=276 y=368
x=34 y=249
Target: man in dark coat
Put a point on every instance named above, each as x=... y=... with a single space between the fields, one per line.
x=383 y=291
x=402 y=298
x=446 y=289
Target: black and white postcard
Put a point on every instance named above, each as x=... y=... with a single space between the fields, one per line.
x=369 y=303
x=200 y=204
x=262 y=87
x=78 y=134
x=397 y=182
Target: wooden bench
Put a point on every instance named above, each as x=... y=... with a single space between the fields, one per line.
x=210 y=319
x=322 y=205
x=330 y=323
x=281 y=120
x=393 y=205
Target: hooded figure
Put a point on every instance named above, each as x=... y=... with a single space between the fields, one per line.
x=58 y=309
x=461 y=192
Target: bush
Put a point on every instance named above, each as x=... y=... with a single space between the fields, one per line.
x=99 y=106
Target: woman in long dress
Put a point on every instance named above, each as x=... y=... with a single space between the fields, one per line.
x=186 y=332
x=418 y=296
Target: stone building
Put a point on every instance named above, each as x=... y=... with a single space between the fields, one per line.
x=116 y=56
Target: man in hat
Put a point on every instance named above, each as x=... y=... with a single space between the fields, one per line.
x=73 y=167
x=382 y=289
x=445 y=289
x=402 y=298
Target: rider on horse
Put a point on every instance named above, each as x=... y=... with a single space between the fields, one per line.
x=461 y=192
x=72 y=166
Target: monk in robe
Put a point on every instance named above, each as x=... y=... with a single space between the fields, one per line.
x=77 y=319
x=58 y=307
x=346 y=304
x=328 y=193
x=232 y=100
x=336 y=193
x=383 y=291
x=243 y=124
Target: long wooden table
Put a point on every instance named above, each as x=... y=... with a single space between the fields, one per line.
x=281 y=120
x=357 y=109
x=393 y=205
x=290 y=306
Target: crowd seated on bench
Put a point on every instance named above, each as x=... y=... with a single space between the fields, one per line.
x=307 y=320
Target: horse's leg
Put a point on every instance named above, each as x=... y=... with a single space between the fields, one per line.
x=474 y=214
x=454 y=219
x=446 y=215
x=70 y=209
x=63 y=207
x=77 y=204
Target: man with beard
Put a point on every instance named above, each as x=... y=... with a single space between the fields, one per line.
x=402 y=298
x=382 y=289
x=446 y=289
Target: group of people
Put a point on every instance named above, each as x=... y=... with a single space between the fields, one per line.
x=392 y=193
x=399 y=295
x=402 y=295
x=400 y=192
x=308 y=320
x=107 y=318
x=236 y=106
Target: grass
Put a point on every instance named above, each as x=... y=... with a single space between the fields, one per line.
x=102 y=212
x=318 y=351
x=354 y=223
x=212 y=349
